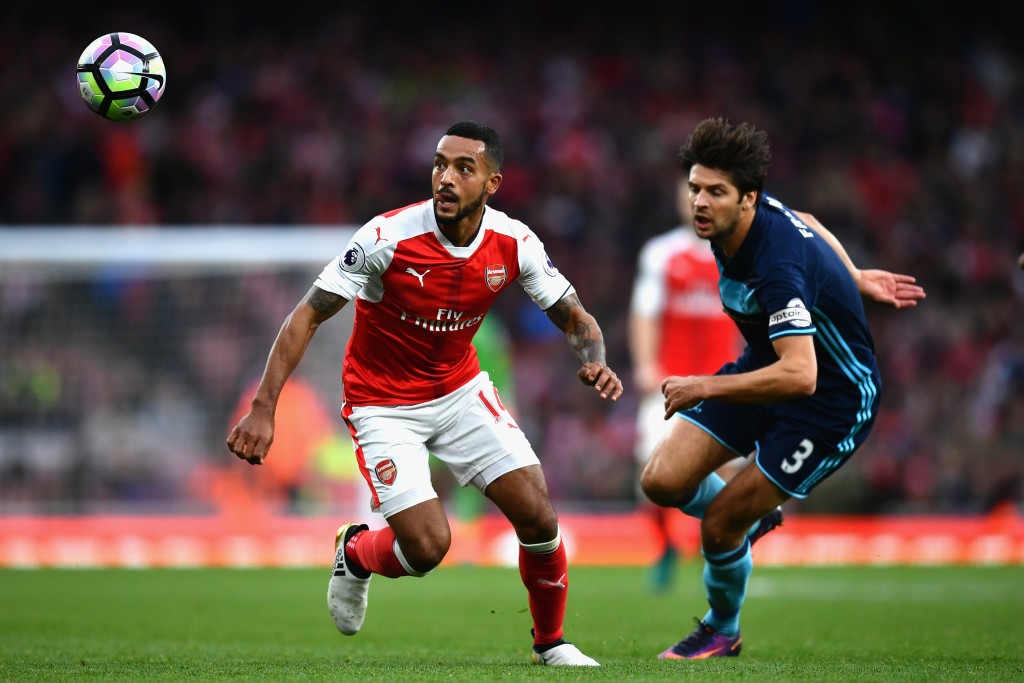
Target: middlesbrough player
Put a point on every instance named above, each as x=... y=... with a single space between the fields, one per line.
x=676 y=327
x=804 y=393
x=423 y=277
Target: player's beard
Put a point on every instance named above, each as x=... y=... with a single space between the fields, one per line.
x=464 y=210
x=723 y=229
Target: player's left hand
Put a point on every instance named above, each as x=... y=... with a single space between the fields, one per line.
x=890 y=289
x=602 y=378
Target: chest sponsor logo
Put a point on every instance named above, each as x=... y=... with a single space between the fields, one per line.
x=446 y=320
x=495 y=276
x=386 y=472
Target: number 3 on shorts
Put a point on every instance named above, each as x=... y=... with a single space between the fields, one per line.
x=796 y=461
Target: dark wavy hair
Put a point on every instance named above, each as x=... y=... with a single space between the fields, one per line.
x=739 y=151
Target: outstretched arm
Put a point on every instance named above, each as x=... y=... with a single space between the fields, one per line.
x=251 y=438
x=890 y=289
x=587 y=344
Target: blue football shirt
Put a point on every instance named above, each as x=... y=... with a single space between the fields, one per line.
x=785 y=280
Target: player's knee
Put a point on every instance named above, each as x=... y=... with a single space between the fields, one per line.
x=529 y=510
x=538 y=527
x=426 y=551
x=656 y=489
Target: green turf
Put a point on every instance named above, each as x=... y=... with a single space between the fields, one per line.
x=471 y=624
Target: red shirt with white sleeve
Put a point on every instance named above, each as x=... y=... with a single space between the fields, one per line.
x=677 y=283
x=420 y=299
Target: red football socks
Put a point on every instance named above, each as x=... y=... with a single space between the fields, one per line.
x=374 y=551
x=546 y=577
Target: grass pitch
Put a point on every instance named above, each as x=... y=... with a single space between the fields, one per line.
x=471 y=624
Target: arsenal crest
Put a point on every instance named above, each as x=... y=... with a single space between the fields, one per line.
x=495 y=276
x=386 y=472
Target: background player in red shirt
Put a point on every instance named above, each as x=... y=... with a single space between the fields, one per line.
x=422 y=278
x=676 y=327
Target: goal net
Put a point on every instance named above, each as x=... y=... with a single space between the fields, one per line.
x=127 y=354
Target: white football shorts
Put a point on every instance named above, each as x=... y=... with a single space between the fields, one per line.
x=651 y=425
x=469 y=430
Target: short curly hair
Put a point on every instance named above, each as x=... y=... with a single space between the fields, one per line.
x=475 y=130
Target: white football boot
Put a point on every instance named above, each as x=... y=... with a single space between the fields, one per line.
x=346 y=592
x=565 y=654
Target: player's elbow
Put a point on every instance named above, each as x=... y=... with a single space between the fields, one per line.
x=801 y=379
x=805 y=382
x=799 y=368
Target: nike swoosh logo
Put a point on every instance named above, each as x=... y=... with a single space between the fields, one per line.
x=156 y=77
x=712 y=653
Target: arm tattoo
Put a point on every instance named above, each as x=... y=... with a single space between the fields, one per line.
x=323 y=302
x=559 y=313
x=581 y=330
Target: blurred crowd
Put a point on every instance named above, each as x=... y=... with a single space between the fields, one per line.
x=902 y=132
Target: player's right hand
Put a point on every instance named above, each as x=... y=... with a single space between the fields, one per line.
x=251 y=438
x=681 y=393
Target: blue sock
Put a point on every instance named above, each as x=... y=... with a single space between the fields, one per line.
x=725 y=578
x=707 y=490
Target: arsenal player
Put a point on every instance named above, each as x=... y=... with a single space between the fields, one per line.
x=423 y=277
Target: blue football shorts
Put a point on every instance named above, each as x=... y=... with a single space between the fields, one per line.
x=795 y=451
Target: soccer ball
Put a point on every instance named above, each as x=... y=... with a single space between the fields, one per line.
x=121 y=76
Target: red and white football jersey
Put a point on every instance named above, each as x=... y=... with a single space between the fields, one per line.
x=677 y=282
x=420 y=299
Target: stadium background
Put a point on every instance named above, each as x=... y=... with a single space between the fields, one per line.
x=902 y=131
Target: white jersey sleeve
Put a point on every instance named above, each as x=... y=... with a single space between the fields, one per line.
x=648 y=296
x=364 y=259
x=537 y=274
